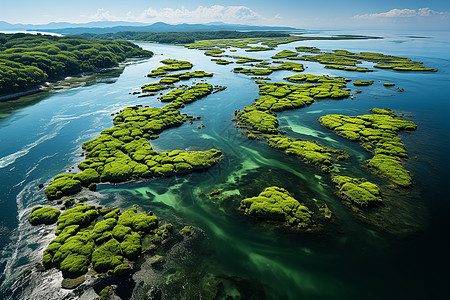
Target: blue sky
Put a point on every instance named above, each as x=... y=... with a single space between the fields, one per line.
x=312 y=14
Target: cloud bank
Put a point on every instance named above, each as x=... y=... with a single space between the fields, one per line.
x=405 y=13
x=215 y=13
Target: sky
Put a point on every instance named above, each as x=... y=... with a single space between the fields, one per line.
x=311 y=14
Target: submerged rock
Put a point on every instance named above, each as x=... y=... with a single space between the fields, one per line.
x=275 y=203
x=43 y=215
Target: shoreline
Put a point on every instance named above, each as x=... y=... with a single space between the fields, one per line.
x=59 y=81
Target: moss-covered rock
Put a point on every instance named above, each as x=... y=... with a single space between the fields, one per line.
x=123 y=152
x=81 y=215
x=43 y=215
x=107 y=257
x=362 y=82
x=377 y=133
x=358 y=191
x=284 y=54
x=276 y=204
x=309 y=152
x=63 y=185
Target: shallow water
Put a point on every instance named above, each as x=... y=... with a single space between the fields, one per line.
x=41 y=136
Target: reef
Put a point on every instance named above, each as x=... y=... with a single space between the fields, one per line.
x=358 y=191
x=346 y=68
x=123 y=152
x=260 y=118
x=307 y=49
x=105 y=240
x=221 y=61
x=43 y=215
x=276 y=204
x=362 y=82
x=285 y=54
x=266 y=70
x=243 y=59
x=378 y=134
x=309 y=152
x=170 y=65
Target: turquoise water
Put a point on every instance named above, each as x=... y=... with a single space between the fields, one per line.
x=41 y=136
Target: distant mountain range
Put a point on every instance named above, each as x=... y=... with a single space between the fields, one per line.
x=66 y=28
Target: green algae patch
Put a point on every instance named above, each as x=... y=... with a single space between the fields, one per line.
x=309 y=152
x=220 y=61
x=170 y=65
x=347 y=68
x=244 y=59
x=307 y=49
x=285 y=54
x=62 y=185
x=378 y=134
x=358 y=191
x=362 y=82
x=276 y=204
x=259 y=48
x=123 y=152
x=347 y=58
x=43 y=215
x=84 y=241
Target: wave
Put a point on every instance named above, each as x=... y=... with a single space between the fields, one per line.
x=10 y=159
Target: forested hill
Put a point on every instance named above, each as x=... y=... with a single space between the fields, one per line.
x=28 y=60
x=182 y=37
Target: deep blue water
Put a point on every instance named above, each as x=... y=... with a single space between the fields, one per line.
x=41 y=136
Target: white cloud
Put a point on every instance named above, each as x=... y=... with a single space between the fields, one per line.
x=103 y=15
x=405 y=13
x=215 y=13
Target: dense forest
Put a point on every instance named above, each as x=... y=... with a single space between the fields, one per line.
x=182 y=37
x=28 y=60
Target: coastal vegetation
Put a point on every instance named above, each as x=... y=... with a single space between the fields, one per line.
x=285 y=54
x=347 y=58
x=104 y=240
x=260 y=119
x=183 y=37
x=358 y=191
x=27 y=60
x=276 y=204
x=362 y=82
x=378 y=134
x=266 y=70
x=123 y=152
x=310 y=152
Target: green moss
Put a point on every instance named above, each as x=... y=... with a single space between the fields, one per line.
x=284 y=54
x=308 y=49
x=121 y=270
x=358 y=191
x=221 y=61
x=378 y=134
x=131 y=246
x=63 y=185
x=102 y=230
x=107 y=257
x=391 y=168
x=81 y=215
x=186 y=230
x=362 y=82
x=74 y=265
x=277 y=204
x=87 y=177
x=43 y=215
x=309 y=152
